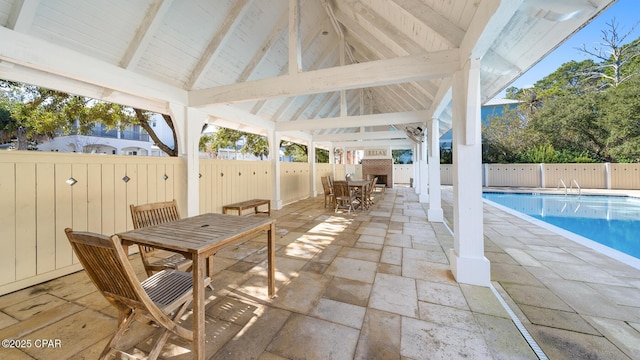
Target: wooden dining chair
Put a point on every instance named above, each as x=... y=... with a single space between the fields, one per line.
x=162 y=298
x=369 y=190
x=153 y=214
x=328 y=191
x=343 y=196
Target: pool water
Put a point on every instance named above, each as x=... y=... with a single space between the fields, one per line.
x=613 y=221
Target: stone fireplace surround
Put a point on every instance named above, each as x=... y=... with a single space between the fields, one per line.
x=377 y=167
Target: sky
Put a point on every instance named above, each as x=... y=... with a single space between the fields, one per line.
x=626 y=14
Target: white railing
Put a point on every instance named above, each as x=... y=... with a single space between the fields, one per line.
x=573 y=181
x=570 y=188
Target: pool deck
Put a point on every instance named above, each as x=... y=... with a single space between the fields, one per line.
x=370 y=285
x=575 y=302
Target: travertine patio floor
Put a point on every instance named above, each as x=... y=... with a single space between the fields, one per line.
x=370 y=285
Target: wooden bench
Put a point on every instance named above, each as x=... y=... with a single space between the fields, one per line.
x=249 y=204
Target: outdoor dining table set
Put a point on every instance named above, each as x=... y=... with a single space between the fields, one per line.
x=349 y=194
x=166 y=294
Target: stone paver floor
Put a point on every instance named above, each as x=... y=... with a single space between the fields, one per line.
x=370 y=285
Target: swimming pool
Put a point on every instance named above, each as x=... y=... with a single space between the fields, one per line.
x=613 y=221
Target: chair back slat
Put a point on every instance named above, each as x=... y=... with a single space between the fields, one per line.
x=162 y=298
x=154 y=213
x=103 y=259
x=325 y=185
x=341 y=188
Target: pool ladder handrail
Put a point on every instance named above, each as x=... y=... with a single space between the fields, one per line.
x=573 y=181
x=561 y=182
x=566 y=190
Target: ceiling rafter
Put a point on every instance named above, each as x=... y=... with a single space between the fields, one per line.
x=287 y=103
x=285 y=68
x=423 y=13
x=148 y=26
x=400 y=43
x=372 y=44
x=218 y=41
x=22 y=14
x=280 y=27
x=323 y=103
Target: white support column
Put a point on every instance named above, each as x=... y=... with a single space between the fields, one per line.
x=468 y=263
x=274 y=153
x=311 y=158
x=332 y=160
x=423 y=174
x=188 y=124
x=434 y=213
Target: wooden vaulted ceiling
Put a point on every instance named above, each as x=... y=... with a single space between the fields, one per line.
x=318 y=70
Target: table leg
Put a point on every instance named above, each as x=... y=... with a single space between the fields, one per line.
x=271 y=282
x=199 y=274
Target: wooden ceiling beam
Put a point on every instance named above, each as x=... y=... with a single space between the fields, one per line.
x=404 y=69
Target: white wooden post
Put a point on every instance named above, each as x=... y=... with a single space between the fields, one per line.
x=468 y=263
x=188 y=123
x=274 y=152
x=434 y=213
x=423 y=173
x=311 y=158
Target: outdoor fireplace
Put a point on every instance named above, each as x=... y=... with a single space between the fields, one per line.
x=382 y=178
x=382 y=168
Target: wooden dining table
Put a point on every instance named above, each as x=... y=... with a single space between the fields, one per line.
x=199 y=238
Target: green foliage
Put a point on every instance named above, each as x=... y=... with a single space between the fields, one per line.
x=225 y=138
x=404 y=156
x=39 y=114
x=583 y=112
x=257 y=145
x=545 y=153
x=541 y=154
x=446 y=156
x=507 y=136
x=322 y=156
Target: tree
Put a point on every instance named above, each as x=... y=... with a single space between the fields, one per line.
x=322 y=156
x=508 y=136
x=298 y=152
x=574 y=123
x=569 y=79
x=40 y=114
x=402 y=156
x=614 y=57
x=583 y=111
x=622 y=117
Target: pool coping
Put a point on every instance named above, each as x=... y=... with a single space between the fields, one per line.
x=605 y=250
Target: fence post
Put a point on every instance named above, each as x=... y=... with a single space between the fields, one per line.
x=607 y=176
x=485 y=177
x=542 y=175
